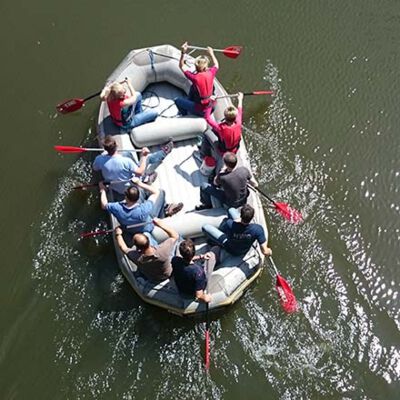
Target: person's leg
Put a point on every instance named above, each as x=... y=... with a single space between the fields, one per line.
x=185 y=105
x=212 y=261
x=158 y=206
x=138 y=105
x=207 y=190
x=214 y=234
x=233 y=213
x=143 y=118
x=152 y=240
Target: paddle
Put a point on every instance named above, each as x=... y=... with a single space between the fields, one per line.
x=107 y=231
x=255 y=93
x=207 y=340
x=72 y=105
x=287 y=212
x=286 y=295
x=74 y=149
x=96 y=184
x=231 y=51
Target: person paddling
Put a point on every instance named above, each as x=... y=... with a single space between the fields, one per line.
x=199 y=99
x=126 y=106
x=229 y=130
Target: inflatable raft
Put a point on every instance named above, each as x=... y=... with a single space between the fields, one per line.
x=155 y=73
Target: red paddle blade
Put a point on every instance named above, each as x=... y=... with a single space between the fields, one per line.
x=69 y=149
x=286 y=295
x=207 y=350
x=233 y=51
x=95 y=233
x=289 y=213
x=70 y=106
x=262 y=92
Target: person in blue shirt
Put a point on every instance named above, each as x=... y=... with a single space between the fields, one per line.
x=237 y=234
x=116 y=167
x=190 y=277
x=132 y=211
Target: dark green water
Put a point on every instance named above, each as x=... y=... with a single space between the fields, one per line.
x=71 y=327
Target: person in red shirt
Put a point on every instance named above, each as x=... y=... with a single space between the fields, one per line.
x=199 y=99
x=125 y=106
x=229 y=131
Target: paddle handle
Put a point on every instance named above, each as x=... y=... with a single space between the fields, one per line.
x=92 y=96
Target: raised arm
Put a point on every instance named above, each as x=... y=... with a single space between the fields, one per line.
x=213 y=58
x=103 y=196
x=154 y=192
x=133 y=97
x=182 y=64
x=105 y=92
x=120 y=240
x=143 y=162
x=172 y=233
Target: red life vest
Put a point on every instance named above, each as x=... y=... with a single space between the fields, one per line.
x=116 y=107
x=205 y=85
x=229 y=139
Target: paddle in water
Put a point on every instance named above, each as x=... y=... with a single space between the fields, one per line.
x=230 y=51
x=287 y=212
x=107 y=231
x=72 y=105
x=255 y=93
x=286 y=295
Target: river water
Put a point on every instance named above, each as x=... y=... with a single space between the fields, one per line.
x=327 y=143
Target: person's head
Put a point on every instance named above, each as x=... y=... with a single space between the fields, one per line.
x=187 y=250
x=110 y=145
x=246 y=213
x=132 y=194
x=230 y=113
x=201 y=63
x=141 y=241
x=117 y=90
x=230 y=160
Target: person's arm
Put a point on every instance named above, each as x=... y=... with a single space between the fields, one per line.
x=133 y=97
x=120 y=240
x=143 y=162
x=103 y=196
x=183 y=67
x=213 y=58
x=239 y=116
x=266 y=250
x=104 y=93
x=213 y=124
x=154 y=193
x=172 y=233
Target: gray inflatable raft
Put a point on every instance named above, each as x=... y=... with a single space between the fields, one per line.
x=156 y=74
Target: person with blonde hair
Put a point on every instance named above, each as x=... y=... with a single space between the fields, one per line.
x=199 y=99
x=228 y=131
x=125 y=106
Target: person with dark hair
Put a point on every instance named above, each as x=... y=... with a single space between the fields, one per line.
x=237 y=234
x=190 y=277
x=229 y=130
x=229 y=186
x=116 y=167
x=154 y=262
x=131 y=211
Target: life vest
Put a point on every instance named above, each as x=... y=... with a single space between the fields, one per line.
x=229 y=139
x=204 y=86
x=116 y=108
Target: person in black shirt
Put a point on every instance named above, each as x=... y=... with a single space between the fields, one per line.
x=190 y=277
x=229 y=186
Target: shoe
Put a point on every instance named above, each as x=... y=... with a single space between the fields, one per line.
x=202 y=207
x=150 y=178
x=172 y=209
x=167 y=147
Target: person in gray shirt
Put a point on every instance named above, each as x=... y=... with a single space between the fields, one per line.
x=229 y=186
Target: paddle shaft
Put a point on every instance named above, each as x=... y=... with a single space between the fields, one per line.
x=207 y=339
x=106 y=232
x=204 y=48
x=95 y=184
x=92 y=96
x=246 y=94
x=262 y=193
